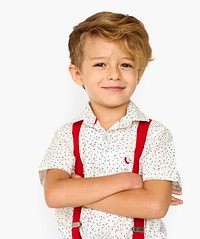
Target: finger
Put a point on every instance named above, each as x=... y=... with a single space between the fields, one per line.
x=176 y=192
x=73 y=175
x=176 y=201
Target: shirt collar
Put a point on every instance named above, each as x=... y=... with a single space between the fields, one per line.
x=133 y=114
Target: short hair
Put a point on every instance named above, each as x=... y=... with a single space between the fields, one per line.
x=125 y=29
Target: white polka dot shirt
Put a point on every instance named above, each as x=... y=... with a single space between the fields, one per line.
x=103 y=153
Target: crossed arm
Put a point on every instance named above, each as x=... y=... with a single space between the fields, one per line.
x=122 y=194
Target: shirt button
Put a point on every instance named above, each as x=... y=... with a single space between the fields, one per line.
x=105 y=137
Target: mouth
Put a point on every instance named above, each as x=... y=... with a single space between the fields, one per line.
x=114 y=88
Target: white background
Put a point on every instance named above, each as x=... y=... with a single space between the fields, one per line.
x=37 y=96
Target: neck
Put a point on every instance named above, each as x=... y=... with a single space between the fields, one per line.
x=108 y=116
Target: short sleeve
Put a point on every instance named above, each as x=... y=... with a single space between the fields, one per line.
x=59 y=154
x=158 y=160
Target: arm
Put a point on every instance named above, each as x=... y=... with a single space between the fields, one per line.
x=63 y=191
x=150 y=201
x=174 y=200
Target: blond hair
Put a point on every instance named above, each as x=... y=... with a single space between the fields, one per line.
x=125 y=29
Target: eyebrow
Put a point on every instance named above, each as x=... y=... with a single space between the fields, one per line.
x=103 y=57
x=98 y=58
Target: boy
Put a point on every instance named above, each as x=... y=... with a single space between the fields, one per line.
x=109 y=53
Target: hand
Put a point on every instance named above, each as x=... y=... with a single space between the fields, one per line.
x=174 y=200
x=73 y=175
x=136 y=180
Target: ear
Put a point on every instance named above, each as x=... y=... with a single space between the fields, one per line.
x=140 y=74
x=75 y=74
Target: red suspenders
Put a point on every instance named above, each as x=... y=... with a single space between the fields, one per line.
x=138 y=229
x=78 y=170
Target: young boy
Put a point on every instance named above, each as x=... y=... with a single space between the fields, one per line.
x=109 y=53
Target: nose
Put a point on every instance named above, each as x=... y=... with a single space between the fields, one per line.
x=114 y=74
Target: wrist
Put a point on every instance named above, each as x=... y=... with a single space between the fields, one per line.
x=126 y=181
x=132 y=181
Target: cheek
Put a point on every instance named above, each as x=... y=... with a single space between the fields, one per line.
x=87 y=75
x=93 y=79
x=133 y=85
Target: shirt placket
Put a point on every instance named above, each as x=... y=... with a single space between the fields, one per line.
x=102 y=155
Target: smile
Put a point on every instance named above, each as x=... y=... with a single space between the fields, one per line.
x=114 y=88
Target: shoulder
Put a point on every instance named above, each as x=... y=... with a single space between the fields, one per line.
x=157 y=129
x=67 y=128
x=63 y=132
x=158 y=126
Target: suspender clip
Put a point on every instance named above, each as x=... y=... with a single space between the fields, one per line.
x=76 y=224
x=138 y=229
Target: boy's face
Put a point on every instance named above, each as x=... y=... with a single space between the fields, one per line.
x=107 y=73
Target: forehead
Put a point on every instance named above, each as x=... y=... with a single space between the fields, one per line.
x=98 y=46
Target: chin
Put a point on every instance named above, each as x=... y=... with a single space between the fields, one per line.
x=116 y=104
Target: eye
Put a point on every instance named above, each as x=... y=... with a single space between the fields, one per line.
x=126 y=65
x=100 y=65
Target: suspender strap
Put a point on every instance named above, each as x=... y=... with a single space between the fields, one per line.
x=138 y=229
x=78 y=163
x=78 y=170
